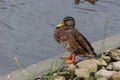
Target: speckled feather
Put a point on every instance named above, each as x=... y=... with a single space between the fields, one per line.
x=73 y=41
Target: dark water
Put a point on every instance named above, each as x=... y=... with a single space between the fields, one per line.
x=26 y=27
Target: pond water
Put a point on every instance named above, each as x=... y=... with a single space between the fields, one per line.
x=26 y=27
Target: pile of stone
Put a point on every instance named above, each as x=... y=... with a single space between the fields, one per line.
x=105 y=68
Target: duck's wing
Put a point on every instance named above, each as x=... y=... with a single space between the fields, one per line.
x=67 y=40
x=83 y=42
x=73 y=40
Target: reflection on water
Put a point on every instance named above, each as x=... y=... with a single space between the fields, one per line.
x=26 y=27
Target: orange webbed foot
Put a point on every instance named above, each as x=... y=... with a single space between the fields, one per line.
x=70 y=61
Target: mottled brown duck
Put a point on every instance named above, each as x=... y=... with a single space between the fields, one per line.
x=72 y=40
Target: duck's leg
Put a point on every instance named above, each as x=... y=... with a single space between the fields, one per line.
x=72 y=60
x=67 y=57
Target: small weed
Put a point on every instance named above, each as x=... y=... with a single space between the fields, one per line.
x=105 y=32
x=17 y=62
x=104 y=35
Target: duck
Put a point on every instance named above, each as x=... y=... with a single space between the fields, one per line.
x=93 y=2
x=72 y=40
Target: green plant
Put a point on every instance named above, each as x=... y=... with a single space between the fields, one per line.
x=56 y=67
x=17 y=62
x=105 y=32
x=104 y=35
x=26 y=73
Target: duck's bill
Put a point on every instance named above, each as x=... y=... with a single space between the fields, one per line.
x=60 y=25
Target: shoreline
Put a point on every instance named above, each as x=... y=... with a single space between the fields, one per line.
x=110 y=42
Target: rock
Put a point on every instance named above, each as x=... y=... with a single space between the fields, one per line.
x=116 y=66
x=88 y=64
x=59 y=78
x=63 y=73
x=44 y=77
x=100 y=62
x=110 y=67
x=116 y=76
x=71 y=67
x=107 y=59
x=91 y=78
x=82 y=73
x=102 y=73
x=115 y=54
x=102 y=79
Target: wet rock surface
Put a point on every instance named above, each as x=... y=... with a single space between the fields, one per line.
x=105 y=68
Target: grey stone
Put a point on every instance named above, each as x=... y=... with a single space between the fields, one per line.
x=71 y=67
x=100 y=62
x=116 y=66
x=59 y=78
x=115 y=54
x=107 y=59
x=102 y=73
x=110 y=67
x=88 y=64
x=82 y=73
x=102 y=79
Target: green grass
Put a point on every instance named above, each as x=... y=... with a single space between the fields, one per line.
x=105 y=32
x=53 y=69
x=56 y=67
x=26 y=73
x=17 y=62
x=104 y=36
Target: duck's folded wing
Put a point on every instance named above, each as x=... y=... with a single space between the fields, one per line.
x=83 y=41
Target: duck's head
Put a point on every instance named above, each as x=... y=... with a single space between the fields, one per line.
x=67 y=22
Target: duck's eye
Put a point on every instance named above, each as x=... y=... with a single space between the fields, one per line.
x=69 y=22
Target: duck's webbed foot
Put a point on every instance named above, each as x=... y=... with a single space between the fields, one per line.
x=72 y=60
